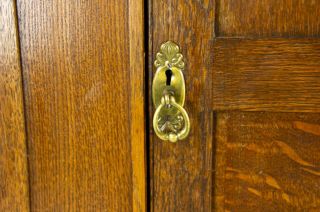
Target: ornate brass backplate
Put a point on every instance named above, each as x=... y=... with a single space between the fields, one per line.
x=170 y=121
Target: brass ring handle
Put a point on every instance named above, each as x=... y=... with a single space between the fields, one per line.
x=171 y=121
x=168 y=103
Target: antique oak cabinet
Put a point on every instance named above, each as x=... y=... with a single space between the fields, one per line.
x=76 y=107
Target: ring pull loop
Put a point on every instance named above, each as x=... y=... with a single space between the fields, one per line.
x=171 y=121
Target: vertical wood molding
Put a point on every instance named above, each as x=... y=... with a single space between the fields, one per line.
x=182 y=172
x=14 y=195
x=137 y=101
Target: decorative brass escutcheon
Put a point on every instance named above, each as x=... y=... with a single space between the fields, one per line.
x=170 y=121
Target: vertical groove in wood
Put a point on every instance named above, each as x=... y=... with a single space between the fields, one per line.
x=137 y=101
x=219 y=163
x=149 y=66
x=182 y=172
x=14 y=194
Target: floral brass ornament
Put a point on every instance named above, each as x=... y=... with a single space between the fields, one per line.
x=170 y=121
x=169 y=56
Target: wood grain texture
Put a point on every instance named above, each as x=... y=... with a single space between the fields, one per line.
x=181 y=173
x=81 y=84
x=268 y=18
x=266 y=74
x=267 y=162
x=14 y=194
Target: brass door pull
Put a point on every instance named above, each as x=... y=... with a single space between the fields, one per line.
x=170 y=121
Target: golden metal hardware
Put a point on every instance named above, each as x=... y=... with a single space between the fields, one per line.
x=170 y=121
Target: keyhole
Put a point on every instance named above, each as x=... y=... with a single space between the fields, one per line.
x=169 y=75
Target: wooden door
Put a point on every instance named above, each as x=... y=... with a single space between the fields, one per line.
x=74 y=96
x=72 y=106
x=253 y=83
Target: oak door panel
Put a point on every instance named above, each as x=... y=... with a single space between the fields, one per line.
x=14 y=195
x=267 y=161
x=84 y=103
x=181 y=173
x=266 y=74
x=268 y=18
